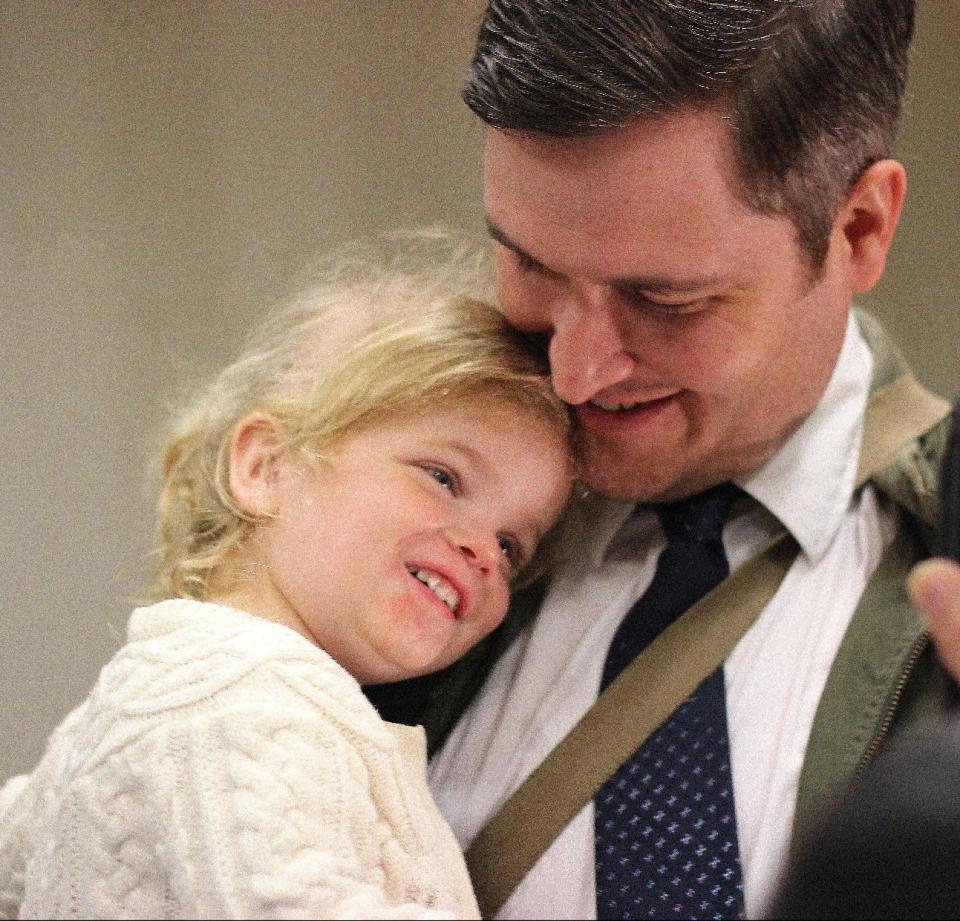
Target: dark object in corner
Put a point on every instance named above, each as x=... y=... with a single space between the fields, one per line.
x=950 y=489
x=892 y=850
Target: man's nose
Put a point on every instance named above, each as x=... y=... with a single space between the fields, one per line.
x=587 y=353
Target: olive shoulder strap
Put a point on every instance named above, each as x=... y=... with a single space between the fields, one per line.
x=664 y=675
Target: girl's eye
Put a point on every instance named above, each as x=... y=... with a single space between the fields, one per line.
x=444 y=477
x=511 y=549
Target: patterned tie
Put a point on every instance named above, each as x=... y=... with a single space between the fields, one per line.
x=665 y=830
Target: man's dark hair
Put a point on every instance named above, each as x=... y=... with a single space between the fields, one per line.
x=813 y=88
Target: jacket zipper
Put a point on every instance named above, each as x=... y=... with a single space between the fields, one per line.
x=893 y=703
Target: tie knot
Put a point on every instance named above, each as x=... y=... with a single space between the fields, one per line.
x=699 y=517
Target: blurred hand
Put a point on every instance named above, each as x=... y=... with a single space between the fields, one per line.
x=934 y=587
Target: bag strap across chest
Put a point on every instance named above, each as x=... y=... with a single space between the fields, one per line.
x=664 y=675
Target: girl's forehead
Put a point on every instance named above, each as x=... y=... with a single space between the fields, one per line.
x=484 y=432
x=480 y=415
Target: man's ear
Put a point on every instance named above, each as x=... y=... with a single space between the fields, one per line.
x=255 y=451
x=867 y=220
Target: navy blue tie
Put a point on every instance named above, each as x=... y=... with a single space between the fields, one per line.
x=665 y=829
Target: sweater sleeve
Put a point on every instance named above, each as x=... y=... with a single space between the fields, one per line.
x=14 y=816
x=274 y=813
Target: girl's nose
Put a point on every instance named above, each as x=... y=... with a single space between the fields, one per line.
x=481 y=549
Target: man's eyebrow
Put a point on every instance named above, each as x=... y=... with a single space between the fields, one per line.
x=666 y=285
x=660 y=284
x=647 y=284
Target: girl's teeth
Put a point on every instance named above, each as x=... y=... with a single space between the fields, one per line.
x=440 y=587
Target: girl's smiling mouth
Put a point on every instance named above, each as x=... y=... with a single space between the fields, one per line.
x=441 y=586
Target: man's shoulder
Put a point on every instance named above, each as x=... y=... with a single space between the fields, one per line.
x=910 y=477
x=888 y=360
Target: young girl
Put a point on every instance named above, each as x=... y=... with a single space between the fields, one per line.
x=348 y=503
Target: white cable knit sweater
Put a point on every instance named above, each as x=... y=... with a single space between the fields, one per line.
x=224 y=767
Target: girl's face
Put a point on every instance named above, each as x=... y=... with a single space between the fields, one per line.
x=396 y=557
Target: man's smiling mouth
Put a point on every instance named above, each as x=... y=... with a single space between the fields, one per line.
x=624 y=406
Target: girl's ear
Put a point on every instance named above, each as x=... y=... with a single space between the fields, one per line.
x=254 y=472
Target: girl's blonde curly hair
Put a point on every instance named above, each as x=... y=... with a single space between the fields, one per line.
x=368 y=341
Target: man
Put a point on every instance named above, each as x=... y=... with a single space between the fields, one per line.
x=685 y=196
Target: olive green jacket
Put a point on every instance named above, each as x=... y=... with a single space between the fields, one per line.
x=884 y=680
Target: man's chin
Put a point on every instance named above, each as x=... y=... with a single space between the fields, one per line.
x=636 y=482
x=642 y=476
x=633 y=469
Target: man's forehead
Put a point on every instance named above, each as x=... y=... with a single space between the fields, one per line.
x=686 y=133
x=650 y=194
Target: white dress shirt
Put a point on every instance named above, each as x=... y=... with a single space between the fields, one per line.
x=774 y=677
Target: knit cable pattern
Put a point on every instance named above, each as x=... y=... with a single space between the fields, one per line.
x=217 y=771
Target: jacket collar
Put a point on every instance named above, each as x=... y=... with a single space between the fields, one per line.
x=911 y=478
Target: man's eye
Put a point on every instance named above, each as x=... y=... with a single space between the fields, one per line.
x=677 y=310
x=666 y=308
x=528 y=264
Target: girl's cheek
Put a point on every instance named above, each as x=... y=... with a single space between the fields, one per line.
x=500 y=602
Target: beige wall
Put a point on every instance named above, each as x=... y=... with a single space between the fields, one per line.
x=170 y=166
x=919 y=297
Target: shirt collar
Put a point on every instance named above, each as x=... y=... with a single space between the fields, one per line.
x=604 y=520
x=807 y=485
x=809 y=482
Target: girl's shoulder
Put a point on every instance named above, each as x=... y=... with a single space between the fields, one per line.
x=198 y=681
x=187 y=658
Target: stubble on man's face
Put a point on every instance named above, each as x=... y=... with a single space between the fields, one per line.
x=685 y=328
